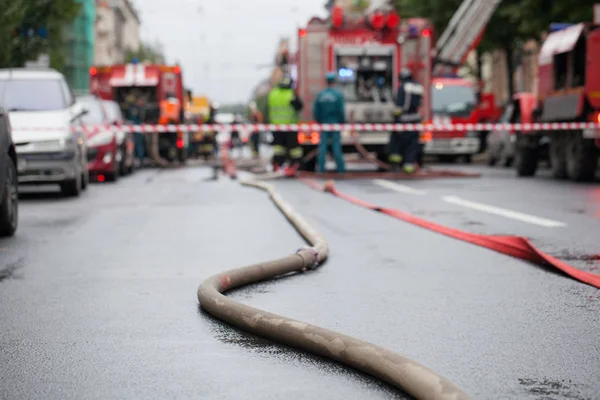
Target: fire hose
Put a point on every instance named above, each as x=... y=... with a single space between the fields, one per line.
x=397 y=370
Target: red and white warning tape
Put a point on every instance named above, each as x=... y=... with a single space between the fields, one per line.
x=530 y=127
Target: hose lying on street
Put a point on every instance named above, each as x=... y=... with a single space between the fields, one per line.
x=398 y=371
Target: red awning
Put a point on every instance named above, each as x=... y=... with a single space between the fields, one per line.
x=559 y=42
x=134 y=75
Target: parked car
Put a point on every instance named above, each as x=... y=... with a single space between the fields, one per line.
x=103 y=154
x=125 y=140
x=9 y=181
x=45 y=122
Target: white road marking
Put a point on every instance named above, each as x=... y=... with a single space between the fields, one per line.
x=531 y=219
x=398 y=187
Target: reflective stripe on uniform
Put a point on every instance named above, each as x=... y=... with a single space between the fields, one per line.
x=279 y=150
x=296 y=152
x=395 y=158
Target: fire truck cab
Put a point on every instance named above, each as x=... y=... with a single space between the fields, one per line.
x=152 y=83
x=568 y=91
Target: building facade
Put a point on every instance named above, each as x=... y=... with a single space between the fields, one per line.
x=79 y=47
x=117 y=31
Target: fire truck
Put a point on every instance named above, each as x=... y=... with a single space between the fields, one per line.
x=151 y=83
x=367 y=52
x=568 y=90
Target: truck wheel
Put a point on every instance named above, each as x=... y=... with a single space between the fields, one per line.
x=72 y=188
x=527 y=155
x=382 y=156
x=310 y=165
x=582 y=158
x=558 y=155
x=9 y=208
x=183 y=156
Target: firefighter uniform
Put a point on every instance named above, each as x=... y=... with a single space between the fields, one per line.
x=283 y=107
x=256 y=117
x=170 y=111
x=404 y=146
x=329 y=109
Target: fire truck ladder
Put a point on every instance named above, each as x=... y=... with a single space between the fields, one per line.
x=463 y=33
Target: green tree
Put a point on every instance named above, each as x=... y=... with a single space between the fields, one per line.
x=152 y=53
x=512 y=24
x=19 y=17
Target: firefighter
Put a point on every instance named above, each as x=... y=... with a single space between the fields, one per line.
x=170 y=110
x=329 y=109
x=136 y=114
x=256 y=117
x=404 y=146
x=208 y=145
x=283 y=107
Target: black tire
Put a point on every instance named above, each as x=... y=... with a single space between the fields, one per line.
x=85 y=180
x=558 y=155
x=582 y=158
x=9 y=208
x=113 y=176
x=527 y=155
x=382 y=156
x=183 y=156
x=508 y=161
x=468 y=159
x=310 y=165
x=72 y=188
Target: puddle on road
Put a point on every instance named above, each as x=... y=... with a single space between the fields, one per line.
x=10 y=271
x=549 y=389
x=289 y=356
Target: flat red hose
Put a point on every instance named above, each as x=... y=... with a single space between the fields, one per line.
x=514 y=246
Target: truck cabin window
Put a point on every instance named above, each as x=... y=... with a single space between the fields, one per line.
x=452 y=100
x=366 y=79
x=579 y=63
x=560 y=71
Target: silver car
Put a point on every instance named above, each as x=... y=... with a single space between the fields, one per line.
x=45 y=121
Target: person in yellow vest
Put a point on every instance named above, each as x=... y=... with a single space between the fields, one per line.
x=170 y=110
x=283 y=107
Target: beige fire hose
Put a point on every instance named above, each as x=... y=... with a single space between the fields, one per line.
x=399 y=371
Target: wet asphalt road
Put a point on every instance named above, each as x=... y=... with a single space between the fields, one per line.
x=98 y=294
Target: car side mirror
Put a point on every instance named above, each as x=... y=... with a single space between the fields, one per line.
x=80 y=112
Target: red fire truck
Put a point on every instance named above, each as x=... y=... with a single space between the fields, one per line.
x=151 y=83
x=367 y=52
x=568 y=91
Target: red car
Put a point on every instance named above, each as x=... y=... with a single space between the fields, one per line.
x=125 y=140
x=104 y=152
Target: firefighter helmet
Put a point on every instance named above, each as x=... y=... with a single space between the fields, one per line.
x=405 y=74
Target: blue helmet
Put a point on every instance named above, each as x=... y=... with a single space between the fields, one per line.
x=330 y=76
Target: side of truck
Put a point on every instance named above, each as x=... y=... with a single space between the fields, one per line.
x=568 y=91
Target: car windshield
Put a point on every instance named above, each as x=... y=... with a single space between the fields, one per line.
x=32 y=95
x=95 y=113
x=452 y=99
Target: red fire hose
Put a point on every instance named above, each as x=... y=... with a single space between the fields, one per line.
x=513 y=246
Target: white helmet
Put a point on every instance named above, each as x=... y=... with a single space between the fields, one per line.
x=253 y=105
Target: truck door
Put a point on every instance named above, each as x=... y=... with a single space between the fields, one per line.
x=592 y=84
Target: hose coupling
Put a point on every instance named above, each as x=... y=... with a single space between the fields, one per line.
x=315 y=254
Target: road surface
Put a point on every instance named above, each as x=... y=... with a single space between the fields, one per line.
x=98 y=294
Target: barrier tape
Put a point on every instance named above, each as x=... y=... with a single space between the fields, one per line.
x=514 y=246
x=480 y=127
